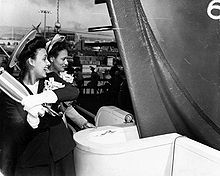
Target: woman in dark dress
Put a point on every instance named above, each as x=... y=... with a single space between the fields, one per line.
x=57 y=50
x=36 y=142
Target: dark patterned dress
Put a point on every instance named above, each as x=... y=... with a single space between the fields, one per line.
x=46 y=150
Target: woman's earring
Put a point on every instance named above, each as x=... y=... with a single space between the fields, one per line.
x=51 y=60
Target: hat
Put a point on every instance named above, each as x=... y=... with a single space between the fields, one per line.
x=14 y=56
x=56 y=38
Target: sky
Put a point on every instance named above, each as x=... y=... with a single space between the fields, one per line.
x=75 y=14
x=79 y=15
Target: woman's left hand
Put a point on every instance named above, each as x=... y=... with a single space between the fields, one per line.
x=88 y=125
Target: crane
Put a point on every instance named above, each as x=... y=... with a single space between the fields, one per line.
x=57 y=23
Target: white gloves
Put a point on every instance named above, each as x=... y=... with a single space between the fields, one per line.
x=33 y=113
x=32 y=104
x=33 y=100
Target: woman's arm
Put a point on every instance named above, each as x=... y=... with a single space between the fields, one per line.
x=55 y=89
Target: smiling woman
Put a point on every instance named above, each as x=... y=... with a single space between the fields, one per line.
x=37 y=142
x=57 y=53
x=33 y=60
x=57 y=50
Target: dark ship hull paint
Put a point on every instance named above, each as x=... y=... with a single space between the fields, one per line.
x=171 y=59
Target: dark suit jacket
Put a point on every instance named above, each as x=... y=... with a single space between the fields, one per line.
x=24 y=146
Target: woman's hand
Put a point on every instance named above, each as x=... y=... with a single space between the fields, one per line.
x=33 y=115
x=31 y=101
x=88 y=125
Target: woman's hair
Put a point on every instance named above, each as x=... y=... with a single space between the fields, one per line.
x=57 y=47
x=30 y=51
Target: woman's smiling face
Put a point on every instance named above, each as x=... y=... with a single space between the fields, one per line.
x=60 y=62
x=41 y=63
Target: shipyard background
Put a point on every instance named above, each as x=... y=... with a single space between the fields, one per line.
x=86 y=50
